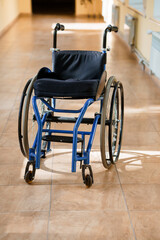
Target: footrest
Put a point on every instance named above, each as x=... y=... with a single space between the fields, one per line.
x=56 y=138
x=59 y=119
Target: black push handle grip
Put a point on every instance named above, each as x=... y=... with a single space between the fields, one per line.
x=110 y=28
x=114 y=29
x=58 y=27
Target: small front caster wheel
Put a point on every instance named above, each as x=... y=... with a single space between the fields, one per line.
x=30 y=172
x=88 y=180
x=28 y=177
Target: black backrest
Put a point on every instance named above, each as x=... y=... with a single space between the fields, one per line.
x=82 y=65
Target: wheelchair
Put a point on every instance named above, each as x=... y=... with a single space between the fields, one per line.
x=76 y=75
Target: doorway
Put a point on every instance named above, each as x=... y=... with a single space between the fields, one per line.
x=53 y=7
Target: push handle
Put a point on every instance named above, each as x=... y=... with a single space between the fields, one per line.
x=58 y=27
x=110 y=28
x=115 y=29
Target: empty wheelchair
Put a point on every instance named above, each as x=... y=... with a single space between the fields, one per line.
x=75 y=75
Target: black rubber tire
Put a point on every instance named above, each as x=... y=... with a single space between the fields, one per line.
x=28 y=177
x=88 y=180
x=20 y=136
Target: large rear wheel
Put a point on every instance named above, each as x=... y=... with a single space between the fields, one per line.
x=111 y=122
x=30 y=125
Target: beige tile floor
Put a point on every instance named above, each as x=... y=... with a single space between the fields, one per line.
x=124 y=201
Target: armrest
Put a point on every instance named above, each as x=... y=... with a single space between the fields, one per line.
x=46 y=73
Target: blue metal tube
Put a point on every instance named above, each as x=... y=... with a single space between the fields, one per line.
x=90 y=142
x=59 y=110
x=75 y=132
x=83 y=144
x=31 y=154
x=39 y=134
x=43 y=121
x=35 y=142
x=65 y=131
x=81 y=158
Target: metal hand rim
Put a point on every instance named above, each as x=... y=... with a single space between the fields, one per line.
x=20 y=117
x=25 y=117
x=111 y=82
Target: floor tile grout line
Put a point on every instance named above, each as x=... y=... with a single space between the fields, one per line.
x=154 y=126
x=76 y=184
x=84 y=211
x=49 y=212
x=125 y=201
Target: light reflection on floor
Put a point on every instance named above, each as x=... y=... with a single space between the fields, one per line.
x=147 y=109
x=59 y=162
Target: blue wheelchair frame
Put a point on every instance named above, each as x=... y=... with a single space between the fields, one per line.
x=75 y=156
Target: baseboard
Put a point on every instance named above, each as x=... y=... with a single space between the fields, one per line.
x=2 y=32
x=89 y=15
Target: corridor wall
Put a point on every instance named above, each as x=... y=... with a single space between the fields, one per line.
x=10 y=10
x=145 y=22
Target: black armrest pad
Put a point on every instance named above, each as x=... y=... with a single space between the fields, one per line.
x=46 y=73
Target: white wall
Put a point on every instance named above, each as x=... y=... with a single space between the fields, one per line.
x=94 y=8
x=25 y=6
x=10 y=10
x=144 y=23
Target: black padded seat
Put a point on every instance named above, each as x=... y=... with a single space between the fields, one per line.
x=70 y=88
x=76 y=75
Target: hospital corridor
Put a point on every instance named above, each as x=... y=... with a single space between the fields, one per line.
x=122 y=203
